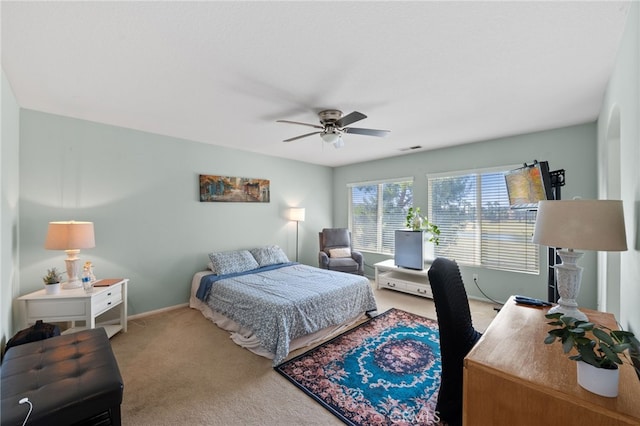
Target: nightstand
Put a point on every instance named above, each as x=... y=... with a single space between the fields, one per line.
x=71 y=305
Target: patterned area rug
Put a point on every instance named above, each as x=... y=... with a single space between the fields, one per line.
x=384 y=372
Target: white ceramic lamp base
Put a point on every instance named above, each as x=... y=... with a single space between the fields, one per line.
x=73 y=269
x=569 y=276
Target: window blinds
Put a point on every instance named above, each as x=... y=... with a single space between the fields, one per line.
x=376 y=210
x=477 y=226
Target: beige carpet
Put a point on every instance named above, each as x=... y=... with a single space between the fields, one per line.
x=180 y=369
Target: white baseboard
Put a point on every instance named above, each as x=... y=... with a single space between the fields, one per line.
x=157 y=311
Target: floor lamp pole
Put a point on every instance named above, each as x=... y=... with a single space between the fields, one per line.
x=297 y=214
x=297 y=225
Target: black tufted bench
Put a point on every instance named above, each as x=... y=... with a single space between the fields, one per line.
x=69 y=379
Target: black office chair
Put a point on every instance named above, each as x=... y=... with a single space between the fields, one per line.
x=457 y=335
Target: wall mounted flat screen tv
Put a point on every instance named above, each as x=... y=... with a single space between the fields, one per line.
x=528 y=185
x=409 y=249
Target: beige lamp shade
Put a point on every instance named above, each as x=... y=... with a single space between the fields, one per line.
x=296 y=214
x=70 y=235
x=581 y=225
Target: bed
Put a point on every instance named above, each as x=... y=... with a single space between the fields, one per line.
x=272 y=306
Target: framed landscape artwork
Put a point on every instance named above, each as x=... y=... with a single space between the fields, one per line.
x=230 y=189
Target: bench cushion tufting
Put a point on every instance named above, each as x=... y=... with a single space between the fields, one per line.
x=68 y=379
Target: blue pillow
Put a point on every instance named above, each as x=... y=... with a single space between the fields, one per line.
x=269 y=255
x=229 y=262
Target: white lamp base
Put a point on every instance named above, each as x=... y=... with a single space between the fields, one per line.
x=73 y=268
x=569 y=276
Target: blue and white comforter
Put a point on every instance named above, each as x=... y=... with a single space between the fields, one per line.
x=281 y=304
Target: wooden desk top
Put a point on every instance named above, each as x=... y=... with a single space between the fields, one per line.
x=513 y=348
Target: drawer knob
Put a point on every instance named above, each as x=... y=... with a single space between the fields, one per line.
x=391 y=284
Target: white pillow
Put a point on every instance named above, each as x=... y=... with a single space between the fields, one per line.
x=340 y=252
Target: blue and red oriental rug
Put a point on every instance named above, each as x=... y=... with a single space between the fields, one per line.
x=386 y=371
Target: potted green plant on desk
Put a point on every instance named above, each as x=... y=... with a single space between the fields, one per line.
x=600 y=351
x=52 y=281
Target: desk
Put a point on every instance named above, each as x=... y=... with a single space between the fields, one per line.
x=512 y=378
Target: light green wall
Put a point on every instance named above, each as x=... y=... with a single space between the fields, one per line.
x=572 y=149
x=623 y=97
x=141 y=192
x=9 y=210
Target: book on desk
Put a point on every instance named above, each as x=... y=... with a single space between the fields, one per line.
x=106 y=282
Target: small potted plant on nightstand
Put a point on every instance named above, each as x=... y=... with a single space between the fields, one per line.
x=599 y=351
x=52 y=281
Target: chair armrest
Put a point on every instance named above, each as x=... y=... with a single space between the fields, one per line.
x=357 y=256
x=323 y=260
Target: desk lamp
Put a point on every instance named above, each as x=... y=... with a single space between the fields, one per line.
x=71 y=237
x=578 y=225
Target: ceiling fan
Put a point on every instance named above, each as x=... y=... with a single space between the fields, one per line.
x=333 y=125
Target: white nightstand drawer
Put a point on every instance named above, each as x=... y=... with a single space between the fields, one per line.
x=107 y=299
x=62 y=308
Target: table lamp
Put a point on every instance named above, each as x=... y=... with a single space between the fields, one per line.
x=297 y=214
x=578 y=225
x=70 y=236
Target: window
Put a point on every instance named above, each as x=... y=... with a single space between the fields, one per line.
x=477 y=226
x=376 y=210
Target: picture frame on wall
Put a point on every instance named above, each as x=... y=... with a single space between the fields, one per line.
x=233 y=189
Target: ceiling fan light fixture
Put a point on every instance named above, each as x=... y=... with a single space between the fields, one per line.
x=330 y=137
x=333 y=124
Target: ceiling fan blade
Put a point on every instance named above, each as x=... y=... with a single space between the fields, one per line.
x=350 y=118
x=317 y=126
x=301 y=136
x=368 y=132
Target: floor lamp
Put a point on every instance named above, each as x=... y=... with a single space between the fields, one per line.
x=581 y=225
x=296 y=214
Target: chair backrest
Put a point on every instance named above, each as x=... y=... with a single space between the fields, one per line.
x=457 y=335
x=334 y=238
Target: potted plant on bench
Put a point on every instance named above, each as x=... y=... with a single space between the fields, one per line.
x=52 y=281
x=600 y=351
x=417 y=222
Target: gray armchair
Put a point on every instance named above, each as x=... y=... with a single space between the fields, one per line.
x=336 y=252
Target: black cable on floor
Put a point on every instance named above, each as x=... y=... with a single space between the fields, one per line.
x=475 y=281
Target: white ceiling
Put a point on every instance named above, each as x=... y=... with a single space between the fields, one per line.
x=434 y=73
